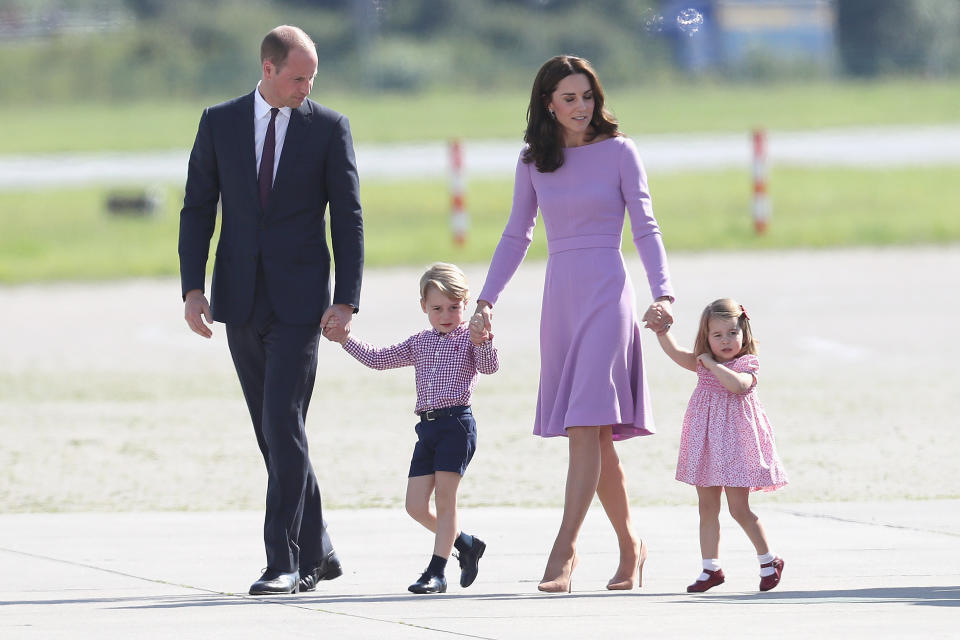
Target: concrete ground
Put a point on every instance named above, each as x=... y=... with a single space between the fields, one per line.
x=853 y=570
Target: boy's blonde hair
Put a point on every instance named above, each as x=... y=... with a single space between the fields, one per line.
x=724 y=308
x=448 y=279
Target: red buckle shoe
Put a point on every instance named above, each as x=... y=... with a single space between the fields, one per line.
x=772 y=580
x=716 y=577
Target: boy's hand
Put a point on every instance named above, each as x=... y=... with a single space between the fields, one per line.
x=478 y=338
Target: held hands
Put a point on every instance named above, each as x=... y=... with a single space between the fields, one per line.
x=196 y=310
x=659 y=316
x=481 y=323
x=478 y=333
x=334 y=331
x=336 y=322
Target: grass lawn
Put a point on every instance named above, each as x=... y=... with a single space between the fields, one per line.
x=66 y=234
x=473 y=114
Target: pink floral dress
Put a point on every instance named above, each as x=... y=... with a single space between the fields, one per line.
x=727 y=440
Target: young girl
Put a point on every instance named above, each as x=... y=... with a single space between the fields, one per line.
x=446 y=360
x=727 y=443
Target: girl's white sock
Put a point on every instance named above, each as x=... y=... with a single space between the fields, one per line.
x=764 y=559
x=709 y=564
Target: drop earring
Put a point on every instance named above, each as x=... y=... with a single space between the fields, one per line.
x=552 y=114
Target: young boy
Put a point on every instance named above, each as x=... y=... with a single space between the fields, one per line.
x=446 y=360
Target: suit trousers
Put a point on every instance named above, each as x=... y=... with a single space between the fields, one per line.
x=277 y=366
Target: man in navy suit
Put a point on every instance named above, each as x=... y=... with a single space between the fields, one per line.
x=274 y=160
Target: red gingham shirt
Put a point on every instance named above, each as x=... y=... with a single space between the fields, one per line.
x=446 y=365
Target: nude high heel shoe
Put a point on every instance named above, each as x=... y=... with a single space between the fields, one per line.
x=626 y=585
x=562 y=583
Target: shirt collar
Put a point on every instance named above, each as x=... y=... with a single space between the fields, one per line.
x=450 y=334
x=261 y=109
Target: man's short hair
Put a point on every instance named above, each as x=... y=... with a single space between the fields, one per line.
x=278 y=43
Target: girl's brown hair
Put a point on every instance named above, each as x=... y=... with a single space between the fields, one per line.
x=544 y=137
x=724 y=308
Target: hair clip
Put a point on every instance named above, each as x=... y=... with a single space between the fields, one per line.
x=744 y=312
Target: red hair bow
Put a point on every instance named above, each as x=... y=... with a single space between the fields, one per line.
x=744 y=312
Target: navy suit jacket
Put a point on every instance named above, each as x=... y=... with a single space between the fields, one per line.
x=317 y=167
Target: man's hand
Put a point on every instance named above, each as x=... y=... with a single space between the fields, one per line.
x=334 y=331
x=196 y=309
x=339 y=329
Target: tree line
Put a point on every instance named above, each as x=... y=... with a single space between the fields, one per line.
x=185 y=48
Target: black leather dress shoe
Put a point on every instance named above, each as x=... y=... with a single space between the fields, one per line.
x=274 y=582
x=429 y=584
x=470 y=562
x=328 y=569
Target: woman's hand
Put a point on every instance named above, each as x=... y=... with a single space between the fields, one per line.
x=659 y=316
x=485 y=311
x=478 y=335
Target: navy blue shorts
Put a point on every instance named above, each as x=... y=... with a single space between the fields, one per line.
x=446 y=443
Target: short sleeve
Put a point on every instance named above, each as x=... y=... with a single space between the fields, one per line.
x=748 y=363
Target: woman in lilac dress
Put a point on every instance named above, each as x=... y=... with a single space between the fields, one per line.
x=581 y=173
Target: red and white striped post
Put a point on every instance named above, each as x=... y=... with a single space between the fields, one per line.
x=761 y=199
x=459 y=220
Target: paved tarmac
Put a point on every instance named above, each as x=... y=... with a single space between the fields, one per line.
x=873 y=147
x=859 y=570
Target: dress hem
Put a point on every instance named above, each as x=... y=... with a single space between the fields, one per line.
x=633 y=431
x=768 y=488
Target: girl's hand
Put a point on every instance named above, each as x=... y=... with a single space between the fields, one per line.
x=706 y=359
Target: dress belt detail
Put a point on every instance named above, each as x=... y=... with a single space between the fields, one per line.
x=556 y=245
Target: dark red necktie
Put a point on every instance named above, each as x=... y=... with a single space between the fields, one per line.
x=265 y=175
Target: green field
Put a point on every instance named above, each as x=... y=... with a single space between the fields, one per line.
x=67 y=234
x=694 y=107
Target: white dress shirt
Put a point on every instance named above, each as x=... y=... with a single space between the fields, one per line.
x=261 y=118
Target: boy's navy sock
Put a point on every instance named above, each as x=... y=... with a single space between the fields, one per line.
x=463 y=542
x=437 y=566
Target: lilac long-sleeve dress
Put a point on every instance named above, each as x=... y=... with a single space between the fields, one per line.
x=591 y=366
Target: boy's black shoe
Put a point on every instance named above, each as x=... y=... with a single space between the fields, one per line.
x=470 y=561
x=429 y=584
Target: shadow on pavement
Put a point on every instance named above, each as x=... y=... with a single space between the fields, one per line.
x=930 y=596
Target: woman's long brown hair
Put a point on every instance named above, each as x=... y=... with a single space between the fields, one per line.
x=544 y=136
